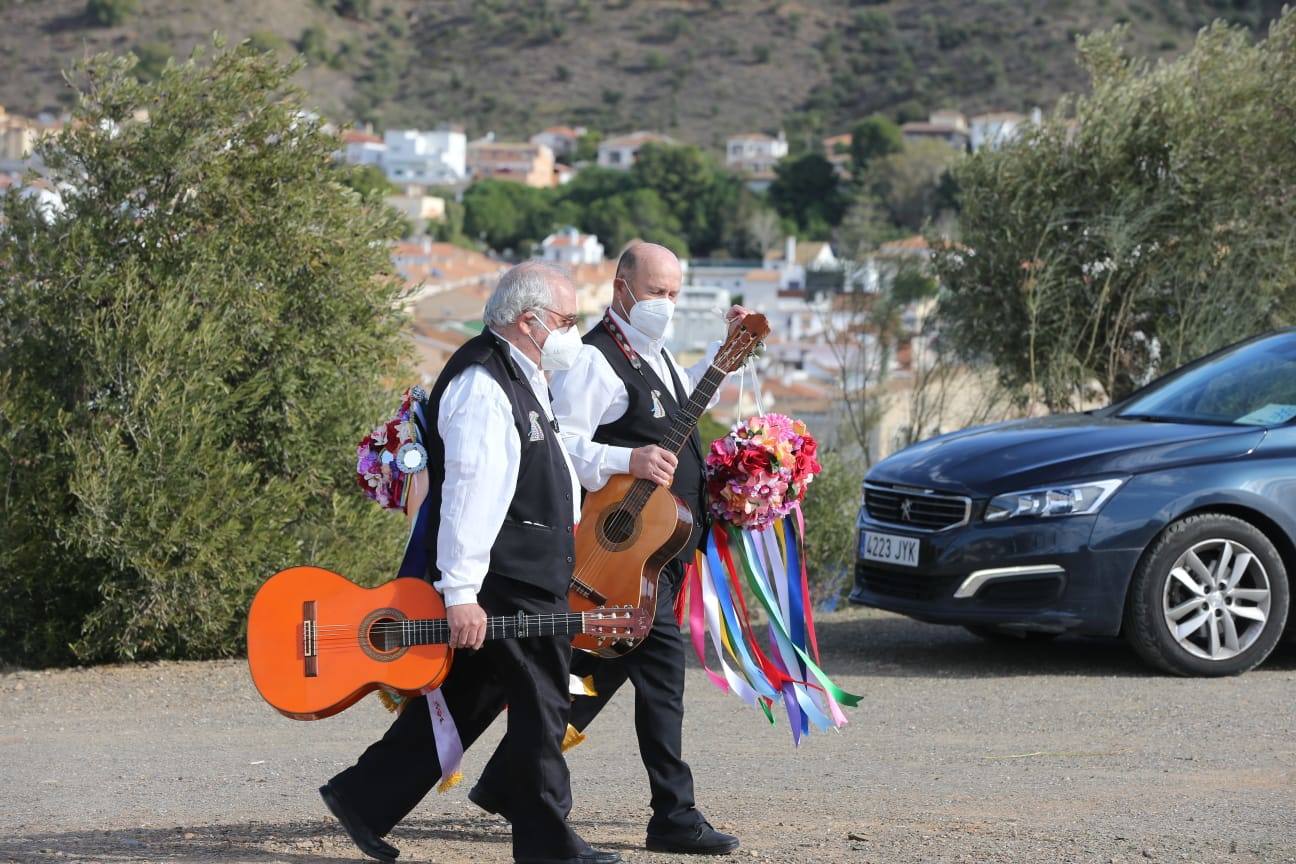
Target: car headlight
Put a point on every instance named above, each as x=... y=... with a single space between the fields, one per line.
x=1062 y=500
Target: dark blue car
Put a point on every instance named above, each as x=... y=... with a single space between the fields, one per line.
x=1169 y=517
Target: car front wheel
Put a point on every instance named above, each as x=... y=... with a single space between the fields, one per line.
x=1209 y=598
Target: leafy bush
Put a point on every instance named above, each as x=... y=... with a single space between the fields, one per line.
x=190 y=348
x=831 y=509
x=1116 y=241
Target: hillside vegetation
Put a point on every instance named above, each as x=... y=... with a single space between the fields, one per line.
x=696 y=69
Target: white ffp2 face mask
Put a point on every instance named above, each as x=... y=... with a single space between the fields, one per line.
x=650 y=317
x=560 y=349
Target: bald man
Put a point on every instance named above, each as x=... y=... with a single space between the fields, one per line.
x=613 y=406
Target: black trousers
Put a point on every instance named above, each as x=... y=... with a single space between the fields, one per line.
x=656 y=669
x=530 y=677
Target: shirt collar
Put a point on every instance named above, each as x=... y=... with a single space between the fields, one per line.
x=639 y=341
x=528 y=367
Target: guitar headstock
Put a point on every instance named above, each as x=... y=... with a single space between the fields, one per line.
x=617 y=622
x=742 y=343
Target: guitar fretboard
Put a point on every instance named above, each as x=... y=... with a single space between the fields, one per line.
x=436 y=631
x=685 y=422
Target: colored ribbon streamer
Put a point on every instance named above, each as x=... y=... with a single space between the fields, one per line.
x=770 y=564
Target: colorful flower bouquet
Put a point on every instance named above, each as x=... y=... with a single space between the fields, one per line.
x=755 y=555
x=759 y=471
x=390 y=453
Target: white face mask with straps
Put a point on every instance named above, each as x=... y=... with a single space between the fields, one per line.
x=650 y=317
x=560 y=349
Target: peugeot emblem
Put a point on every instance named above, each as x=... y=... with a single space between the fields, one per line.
x=906 y=507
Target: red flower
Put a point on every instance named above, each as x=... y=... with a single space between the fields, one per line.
x=753 y=460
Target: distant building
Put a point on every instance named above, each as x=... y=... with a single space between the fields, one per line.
x=796 y=260
x=571 y=247
x=951 y=127
x=563 y=173
x=17 y=138
x=519 y=161
x=755 y=153
x=562 y=140
x=418 y=207
x=997 y=129
x=362 y=148
x=430 y=268
x=621 y=151
x=436 y=158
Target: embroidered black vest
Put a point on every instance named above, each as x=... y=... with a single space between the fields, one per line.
x=535 y=545
x=647 y=420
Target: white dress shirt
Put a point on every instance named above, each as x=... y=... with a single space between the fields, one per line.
x=483 y=454
x=591 y=394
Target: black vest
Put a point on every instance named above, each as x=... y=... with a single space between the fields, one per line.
x=638 y=427
x=535 y=544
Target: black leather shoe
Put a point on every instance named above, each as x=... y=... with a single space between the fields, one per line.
x=592 y=856
x=361 y=835
x=702 y=840
x=487 y=802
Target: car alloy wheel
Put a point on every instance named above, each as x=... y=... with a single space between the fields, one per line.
x=1209 y=597
x=1216 y=601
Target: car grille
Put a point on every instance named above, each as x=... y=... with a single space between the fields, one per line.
x=905 y=585
x=915 y=510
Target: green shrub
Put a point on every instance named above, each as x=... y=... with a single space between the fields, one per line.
x=831 y=510
x=189 y=352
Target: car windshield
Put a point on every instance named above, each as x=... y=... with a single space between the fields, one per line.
x=1252 y=384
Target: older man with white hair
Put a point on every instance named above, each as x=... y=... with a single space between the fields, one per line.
x=504 y=502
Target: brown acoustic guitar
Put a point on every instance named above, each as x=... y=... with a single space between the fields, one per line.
x=631 y=528
x=318 y=642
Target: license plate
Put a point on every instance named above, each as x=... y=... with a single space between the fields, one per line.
x=890 y=549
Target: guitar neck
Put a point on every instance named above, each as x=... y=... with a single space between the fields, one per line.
x=692 y=410
x=436 y=631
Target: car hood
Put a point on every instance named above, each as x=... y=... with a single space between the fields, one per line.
x=1005 y=457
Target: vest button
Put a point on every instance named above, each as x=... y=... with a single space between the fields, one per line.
x=569 y=559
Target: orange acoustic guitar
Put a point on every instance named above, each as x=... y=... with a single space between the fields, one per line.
x=631 y=528
x=317 y=642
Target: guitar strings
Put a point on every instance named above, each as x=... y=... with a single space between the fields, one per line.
x=625 y=517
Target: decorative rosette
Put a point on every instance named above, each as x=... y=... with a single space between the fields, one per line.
x=390 y=453
x=759 y=471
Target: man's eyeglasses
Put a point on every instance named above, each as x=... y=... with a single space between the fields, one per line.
x=564 y=321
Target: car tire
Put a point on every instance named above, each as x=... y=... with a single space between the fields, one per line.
x=1177 y=605
x=1002 y=635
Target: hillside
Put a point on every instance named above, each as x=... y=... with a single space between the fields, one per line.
x=695 y=69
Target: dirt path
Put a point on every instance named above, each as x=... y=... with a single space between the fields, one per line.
x=960 y=752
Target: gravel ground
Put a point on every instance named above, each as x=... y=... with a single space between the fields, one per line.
x=960 y=752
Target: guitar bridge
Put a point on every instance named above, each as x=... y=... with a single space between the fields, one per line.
x=310 y=639
x=588 y=592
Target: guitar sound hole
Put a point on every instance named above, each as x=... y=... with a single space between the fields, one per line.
x=619 y=526
x=384 y=635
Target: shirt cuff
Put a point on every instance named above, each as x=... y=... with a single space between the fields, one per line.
x=460 y=596
x=618 y=459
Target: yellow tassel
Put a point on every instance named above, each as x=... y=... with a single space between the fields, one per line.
x=389 y=702
x=587 y=686
x=450 y=782
x=572 y=738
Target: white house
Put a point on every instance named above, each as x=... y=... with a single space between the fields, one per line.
x=755 y=153
x=621 y=151
x=994 y=130
x=439 y=157
x=795 y=260
x=362 y=148
x=570 y=247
